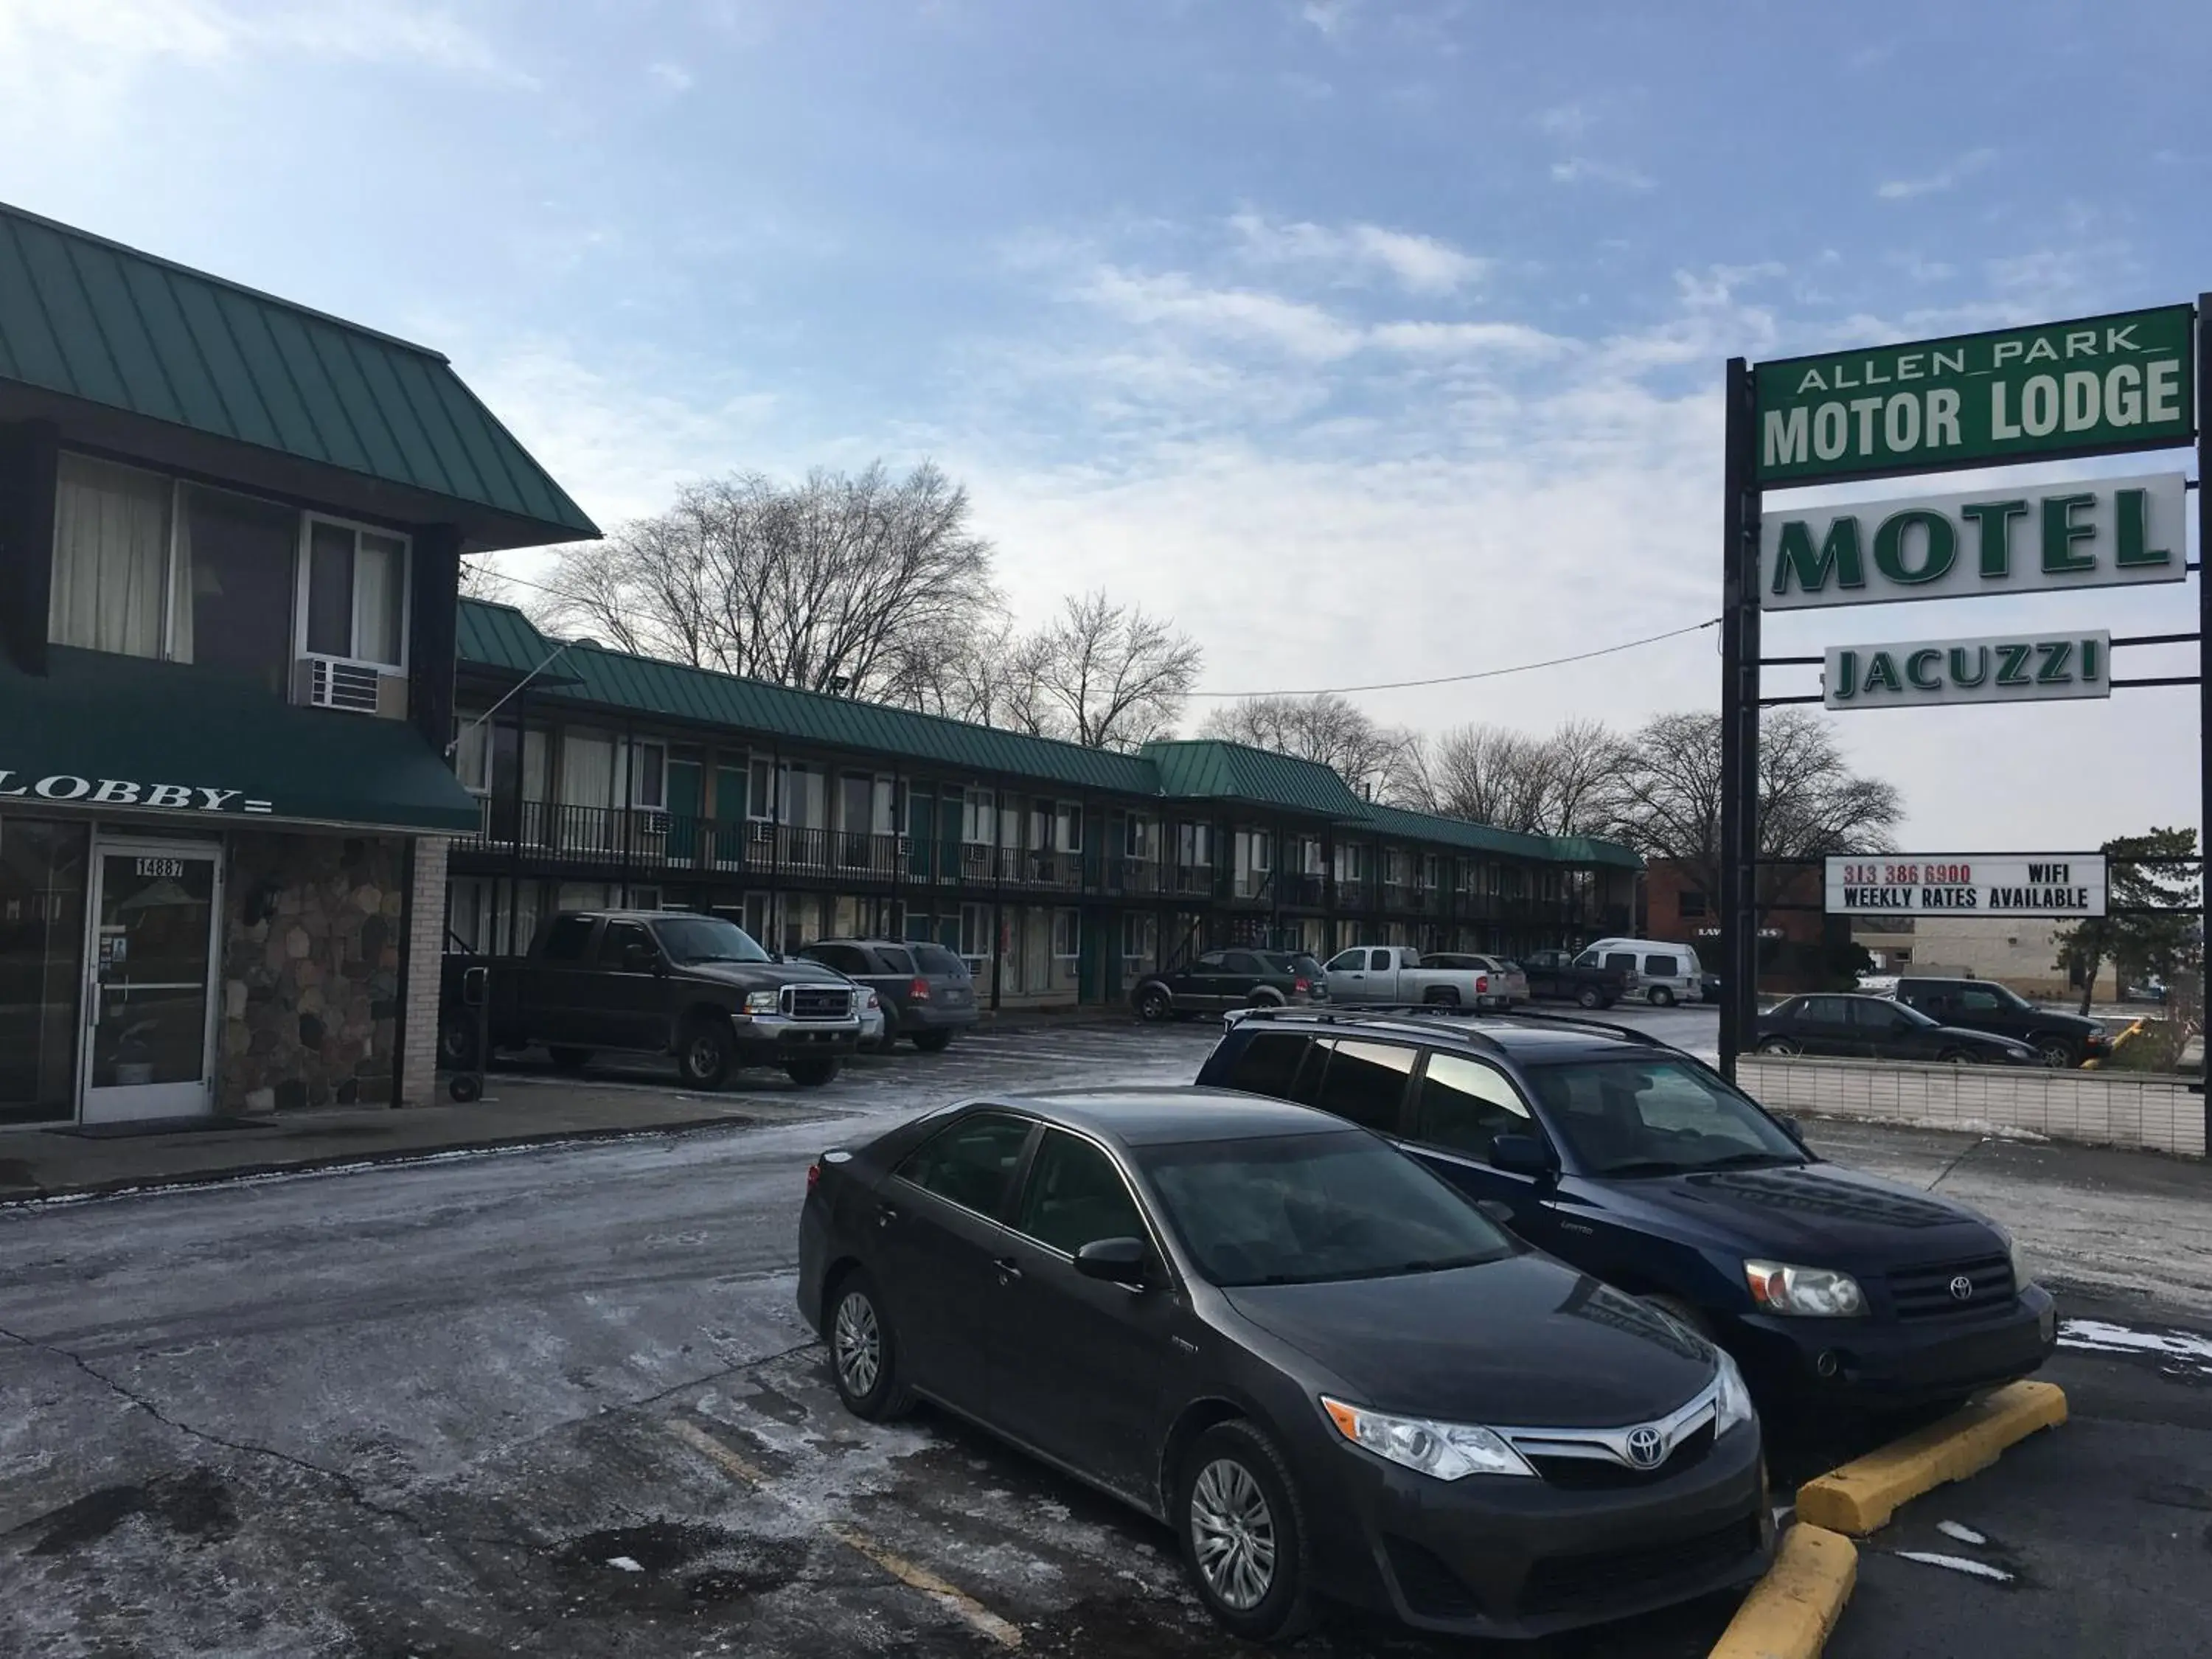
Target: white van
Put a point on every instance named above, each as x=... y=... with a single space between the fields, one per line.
x=1660 y=973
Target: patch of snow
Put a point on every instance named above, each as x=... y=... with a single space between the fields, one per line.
x=1964 y=1534
x=624 y=1564
x=2190 y=1352
x=1956 y=1564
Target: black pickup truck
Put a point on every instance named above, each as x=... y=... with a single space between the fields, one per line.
x=1552 y=977
x=659 y=982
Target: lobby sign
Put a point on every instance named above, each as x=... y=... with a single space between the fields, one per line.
x=1967 y=884
x=2043 y=667
x=2090 y=387
x=2093 y=533
x=65 y=788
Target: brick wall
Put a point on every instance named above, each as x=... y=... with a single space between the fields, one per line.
x=2099 y=1109
x=418 y=1059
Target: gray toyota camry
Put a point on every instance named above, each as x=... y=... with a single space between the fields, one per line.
x=1330 y=1373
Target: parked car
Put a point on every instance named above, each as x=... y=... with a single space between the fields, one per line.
x=1640 y=1164
x=1660 y=973
x=1219 y=980
x=927 y=992
x=2060 y=1039
x=1328 y=1371
x=1394 y=974
x=1875 y=1028
x=1558 y=976
x=1506 y=977
x=660 y=982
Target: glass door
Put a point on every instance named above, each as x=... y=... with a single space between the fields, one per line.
x=149 y=961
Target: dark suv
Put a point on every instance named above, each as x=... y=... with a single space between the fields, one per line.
x=1640 y=1165
x=2060 y=1039
x=927 y=991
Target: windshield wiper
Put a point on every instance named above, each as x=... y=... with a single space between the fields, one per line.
x=1647 y=1166
x=1749 y=1160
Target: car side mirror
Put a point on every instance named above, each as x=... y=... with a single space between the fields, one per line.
x=1117 y=1260
x=1794 y=1129
x=1520 y=1155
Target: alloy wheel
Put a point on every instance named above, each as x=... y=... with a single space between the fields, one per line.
x=856 y=1342
x=1233 y=1533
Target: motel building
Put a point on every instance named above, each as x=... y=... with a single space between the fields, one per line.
x=230 y=530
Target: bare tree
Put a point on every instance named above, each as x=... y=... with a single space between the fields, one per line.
x=1325 y=728
x=481 y=580
x=832 y=584
x=1489 y=774
x=1109 y=677
x=1666 y=793
x=1582 y=760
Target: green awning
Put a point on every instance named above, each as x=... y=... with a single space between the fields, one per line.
x=117 y=734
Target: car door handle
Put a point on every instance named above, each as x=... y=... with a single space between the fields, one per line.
x=885 y=1215
x=1009 y=1269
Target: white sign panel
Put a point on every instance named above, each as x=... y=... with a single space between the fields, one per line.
x=1967 y=884
x=2098 y=532
x=1997 y=668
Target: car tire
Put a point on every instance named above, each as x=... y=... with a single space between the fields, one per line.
x=1783 y=1045
x=1244 y=1534
x=2055 y=1053
x=863 y=1353
x=1680 y=1312
x=457 y=1041
x=813 y=1072
x=1441 y=996
x=705 y=1049
x=932 y=1042
x=1591 y=997
x=1662 y=997
x=1265 y=999
x=464 y=1087
x=1954 y=1057
x=1155 y=1003
x=568 y=1059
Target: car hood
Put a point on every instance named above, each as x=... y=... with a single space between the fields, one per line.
x=1814 y=1215
x=1519 y=1341
x=1968 y=1037
x=758 y=976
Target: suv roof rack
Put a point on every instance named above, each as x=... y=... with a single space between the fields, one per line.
x=1366 y=1011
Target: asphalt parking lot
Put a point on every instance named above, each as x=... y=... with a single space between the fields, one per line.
x=559 y=1402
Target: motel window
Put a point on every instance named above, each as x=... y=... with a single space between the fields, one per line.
x=648 y=778
x=472 y=751
x=975 y=817
x=1691 y=903
x=1067 y=935
x=976 y=934
x=111 y=577
x=353 y=599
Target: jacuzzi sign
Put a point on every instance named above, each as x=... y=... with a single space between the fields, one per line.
x=65 y=788
x=1999 y=668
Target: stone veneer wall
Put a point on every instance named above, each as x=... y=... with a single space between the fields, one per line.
x=418 y=1063
x=310 y=988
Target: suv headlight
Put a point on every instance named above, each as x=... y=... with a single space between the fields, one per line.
x=1446 y=1451
x=1732 y=1403
x=763 y=1002
x=2021 y=1275
x=1814 y=1292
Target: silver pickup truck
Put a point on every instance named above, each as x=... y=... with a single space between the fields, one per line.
x=1394 y=974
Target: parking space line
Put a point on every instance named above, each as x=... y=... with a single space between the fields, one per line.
x=949 y=1597
x=1862 y=1495
x=957 y=1602
x=1791 y=1612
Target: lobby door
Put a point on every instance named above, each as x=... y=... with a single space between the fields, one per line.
x=150 y=992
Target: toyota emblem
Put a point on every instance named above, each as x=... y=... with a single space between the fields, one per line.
x=1645 y=1447
x=1962 y=1288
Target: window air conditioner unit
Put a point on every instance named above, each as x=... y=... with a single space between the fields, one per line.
x=763 y=830
x=905 y=846
x=361 y=688
x=651 y=821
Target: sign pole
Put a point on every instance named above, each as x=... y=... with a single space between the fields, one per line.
x=1739 y=801
x=2204 y=671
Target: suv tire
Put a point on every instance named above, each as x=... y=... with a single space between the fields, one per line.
x=1662 y=997
x=812 y=1071
x=1591 y=997
x=1155 y=1003
x=932 y=1043
x=2056 y=1053
x=1244 y=1534
x=457 y=1041
x=706 y=1049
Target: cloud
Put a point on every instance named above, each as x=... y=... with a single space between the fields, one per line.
x=674 y=76
x=1421 y=264
x=1946 y=177
x=1329 y=16
x=1581 y=169
x=1242 y=314
x=1564 y=121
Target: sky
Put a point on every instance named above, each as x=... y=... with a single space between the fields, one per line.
x=1370 y=341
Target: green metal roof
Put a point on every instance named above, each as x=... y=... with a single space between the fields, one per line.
x=501 y=638
x=97 y=716
x=1208 y=768
x=91 y=320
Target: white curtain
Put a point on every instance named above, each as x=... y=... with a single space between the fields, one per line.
x=111 y=553
x=380 y=583
x=587 y=769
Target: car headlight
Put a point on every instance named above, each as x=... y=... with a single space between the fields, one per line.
x=2022 y=1275
x=1446 y=1451
x=763 y=1002
x=874 y=1001
x=1814 y=1292
x=1732 y=1402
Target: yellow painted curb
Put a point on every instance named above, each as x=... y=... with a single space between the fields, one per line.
x=1790 y=1612
x=1865 y=1493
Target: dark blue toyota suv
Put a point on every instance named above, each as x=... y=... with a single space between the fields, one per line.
x=1641 y=1166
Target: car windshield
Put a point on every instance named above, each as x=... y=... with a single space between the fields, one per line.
x=1303 y=1209
x=936 y=959
x=1653 y=1116
x=1290 y=962
x=707 y=938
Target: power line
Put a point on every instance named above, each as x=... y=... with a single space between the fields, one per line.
x=1348 y=690
x=1479 y=674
